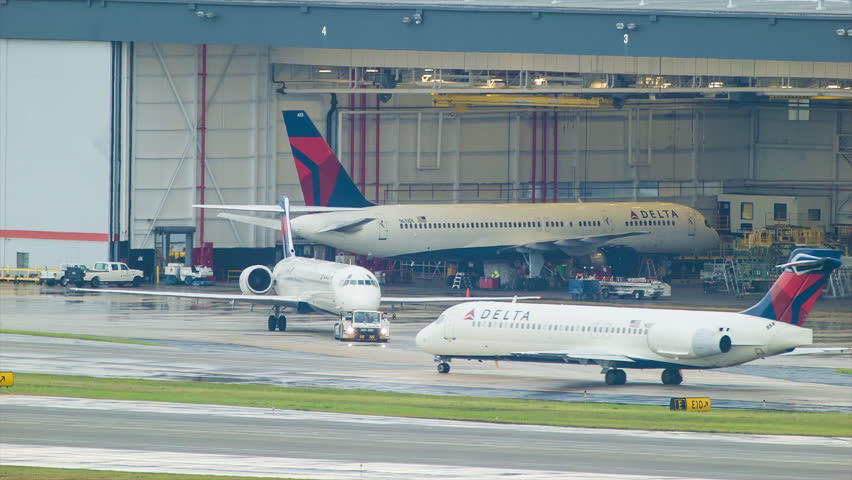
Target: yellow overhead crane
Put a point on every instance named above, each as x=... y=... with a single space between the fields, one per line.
x=461 y=102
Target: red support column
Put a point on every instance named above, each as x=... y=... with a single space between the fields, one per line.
x=378 y=144
x=534 y=159
x=555 y=156
x=544 y=157
x=352 y=136
x=363 y=166
x=202 y=128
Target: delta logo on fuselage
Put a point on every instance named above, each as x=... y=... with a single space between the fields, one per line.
x=655 y=214
x=498 y=314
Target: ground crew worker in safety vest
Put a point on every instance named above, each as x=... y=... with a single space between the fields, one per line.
x=495 y=274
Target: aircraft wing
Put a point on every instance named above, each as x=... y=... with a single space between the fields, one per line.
x=346 y=225
x=596 y=240
x=272 y=223
x=276 y=208
x=578 y=356
x=577 y=245
x=259 y=299
x=452 y=299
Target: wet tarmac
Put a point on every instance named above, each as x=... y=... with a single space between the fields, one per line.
x=216 y=342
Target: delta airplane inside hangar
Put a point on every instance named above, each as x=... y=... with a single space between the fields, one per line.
x=347 y=220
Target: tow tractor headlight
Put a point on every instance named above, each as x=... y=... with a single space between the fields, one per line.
x=350 y=330
x=384 y=331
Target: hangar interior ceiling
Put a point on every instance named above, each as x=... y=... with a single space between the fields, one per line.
x=685 y=130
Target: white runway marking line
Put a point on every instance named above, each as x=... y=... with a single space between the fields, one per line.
x=207 y=464
x=275 y=414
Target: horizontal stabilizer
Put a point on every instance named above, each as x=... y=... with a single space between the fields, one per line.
x=820 y=351
x=578 y=356
x=259 y=221
x=276 y=208
x=452 y=299
x=259 y=299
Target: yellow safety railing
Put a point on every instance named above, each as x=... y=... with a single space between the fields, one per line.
x=782 y=234
x=15 y=274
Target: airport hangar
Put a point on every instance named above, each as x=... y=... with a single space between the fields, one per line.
x=103 y=137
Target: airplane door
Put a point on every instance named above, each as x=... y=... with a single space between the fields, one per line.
x=690 y=226
x=725 y=216
x=383 y=229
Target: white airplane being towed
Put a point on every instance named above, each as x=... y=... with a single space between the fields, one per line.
x=619 y=338
x=306 y=284
x=351 y=223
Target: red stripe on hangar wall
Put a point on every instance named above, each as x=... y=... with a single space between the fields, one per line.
x=46 y=235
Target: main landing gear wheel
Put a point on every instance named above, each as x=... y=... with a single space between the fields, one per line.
x=272 y=323
x=443 y=367
x=282 y=323
x=615 y=376
x=672 y=376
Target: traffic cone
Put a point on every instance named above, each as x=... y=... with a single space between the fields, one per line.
x=467 y=292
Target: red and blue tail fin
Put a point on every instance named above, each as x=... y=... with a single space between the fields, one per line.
x=324 y=180
x=792 y=296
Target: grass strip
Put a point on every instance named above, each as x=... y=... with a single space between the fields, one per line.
x=847 y=371
x=76 y=337
x=9 y=472
x=499 y=410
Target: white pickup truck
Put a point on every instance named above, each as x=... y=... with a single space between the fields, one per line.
x=52 y=277
x=112 y=272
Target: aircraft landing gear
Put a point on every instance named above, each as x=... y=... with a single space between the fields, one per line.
x=672 y=376
x=276 y=321
x=615 y=376
x=443 y=366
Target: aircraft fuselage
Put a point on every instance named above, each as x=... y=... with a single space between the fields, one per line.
x=395 y=230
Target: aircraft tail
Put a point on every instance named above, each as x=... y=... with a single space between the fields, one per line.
x=324 y=180
x=792 y=296
x=286 y=234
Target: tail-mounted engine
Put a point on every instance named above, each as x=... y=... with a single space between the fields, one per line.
x=256 y=280
x=687 y=342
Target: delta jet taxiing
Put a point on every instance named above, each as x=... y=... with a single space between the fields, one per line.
x=305 y=284
x=532 y=229
x=619 y=338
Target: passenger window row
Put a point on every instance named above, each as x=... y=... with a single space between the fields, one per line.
x=649 y=223
x=469 y=225
x=562 y=328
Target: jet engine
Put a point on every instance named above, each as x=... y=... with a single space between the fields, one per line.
x=256 y=280
x=687 y=342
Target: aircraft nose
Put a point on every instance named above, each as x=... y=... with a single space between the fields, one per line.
x=422 y=338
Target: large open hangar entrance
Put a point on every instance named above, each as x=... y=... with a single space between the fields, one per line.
x=657 y=101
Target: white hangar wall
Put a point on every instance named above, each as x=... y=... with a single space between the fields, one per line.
x=55 y=111
x=686 y=153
